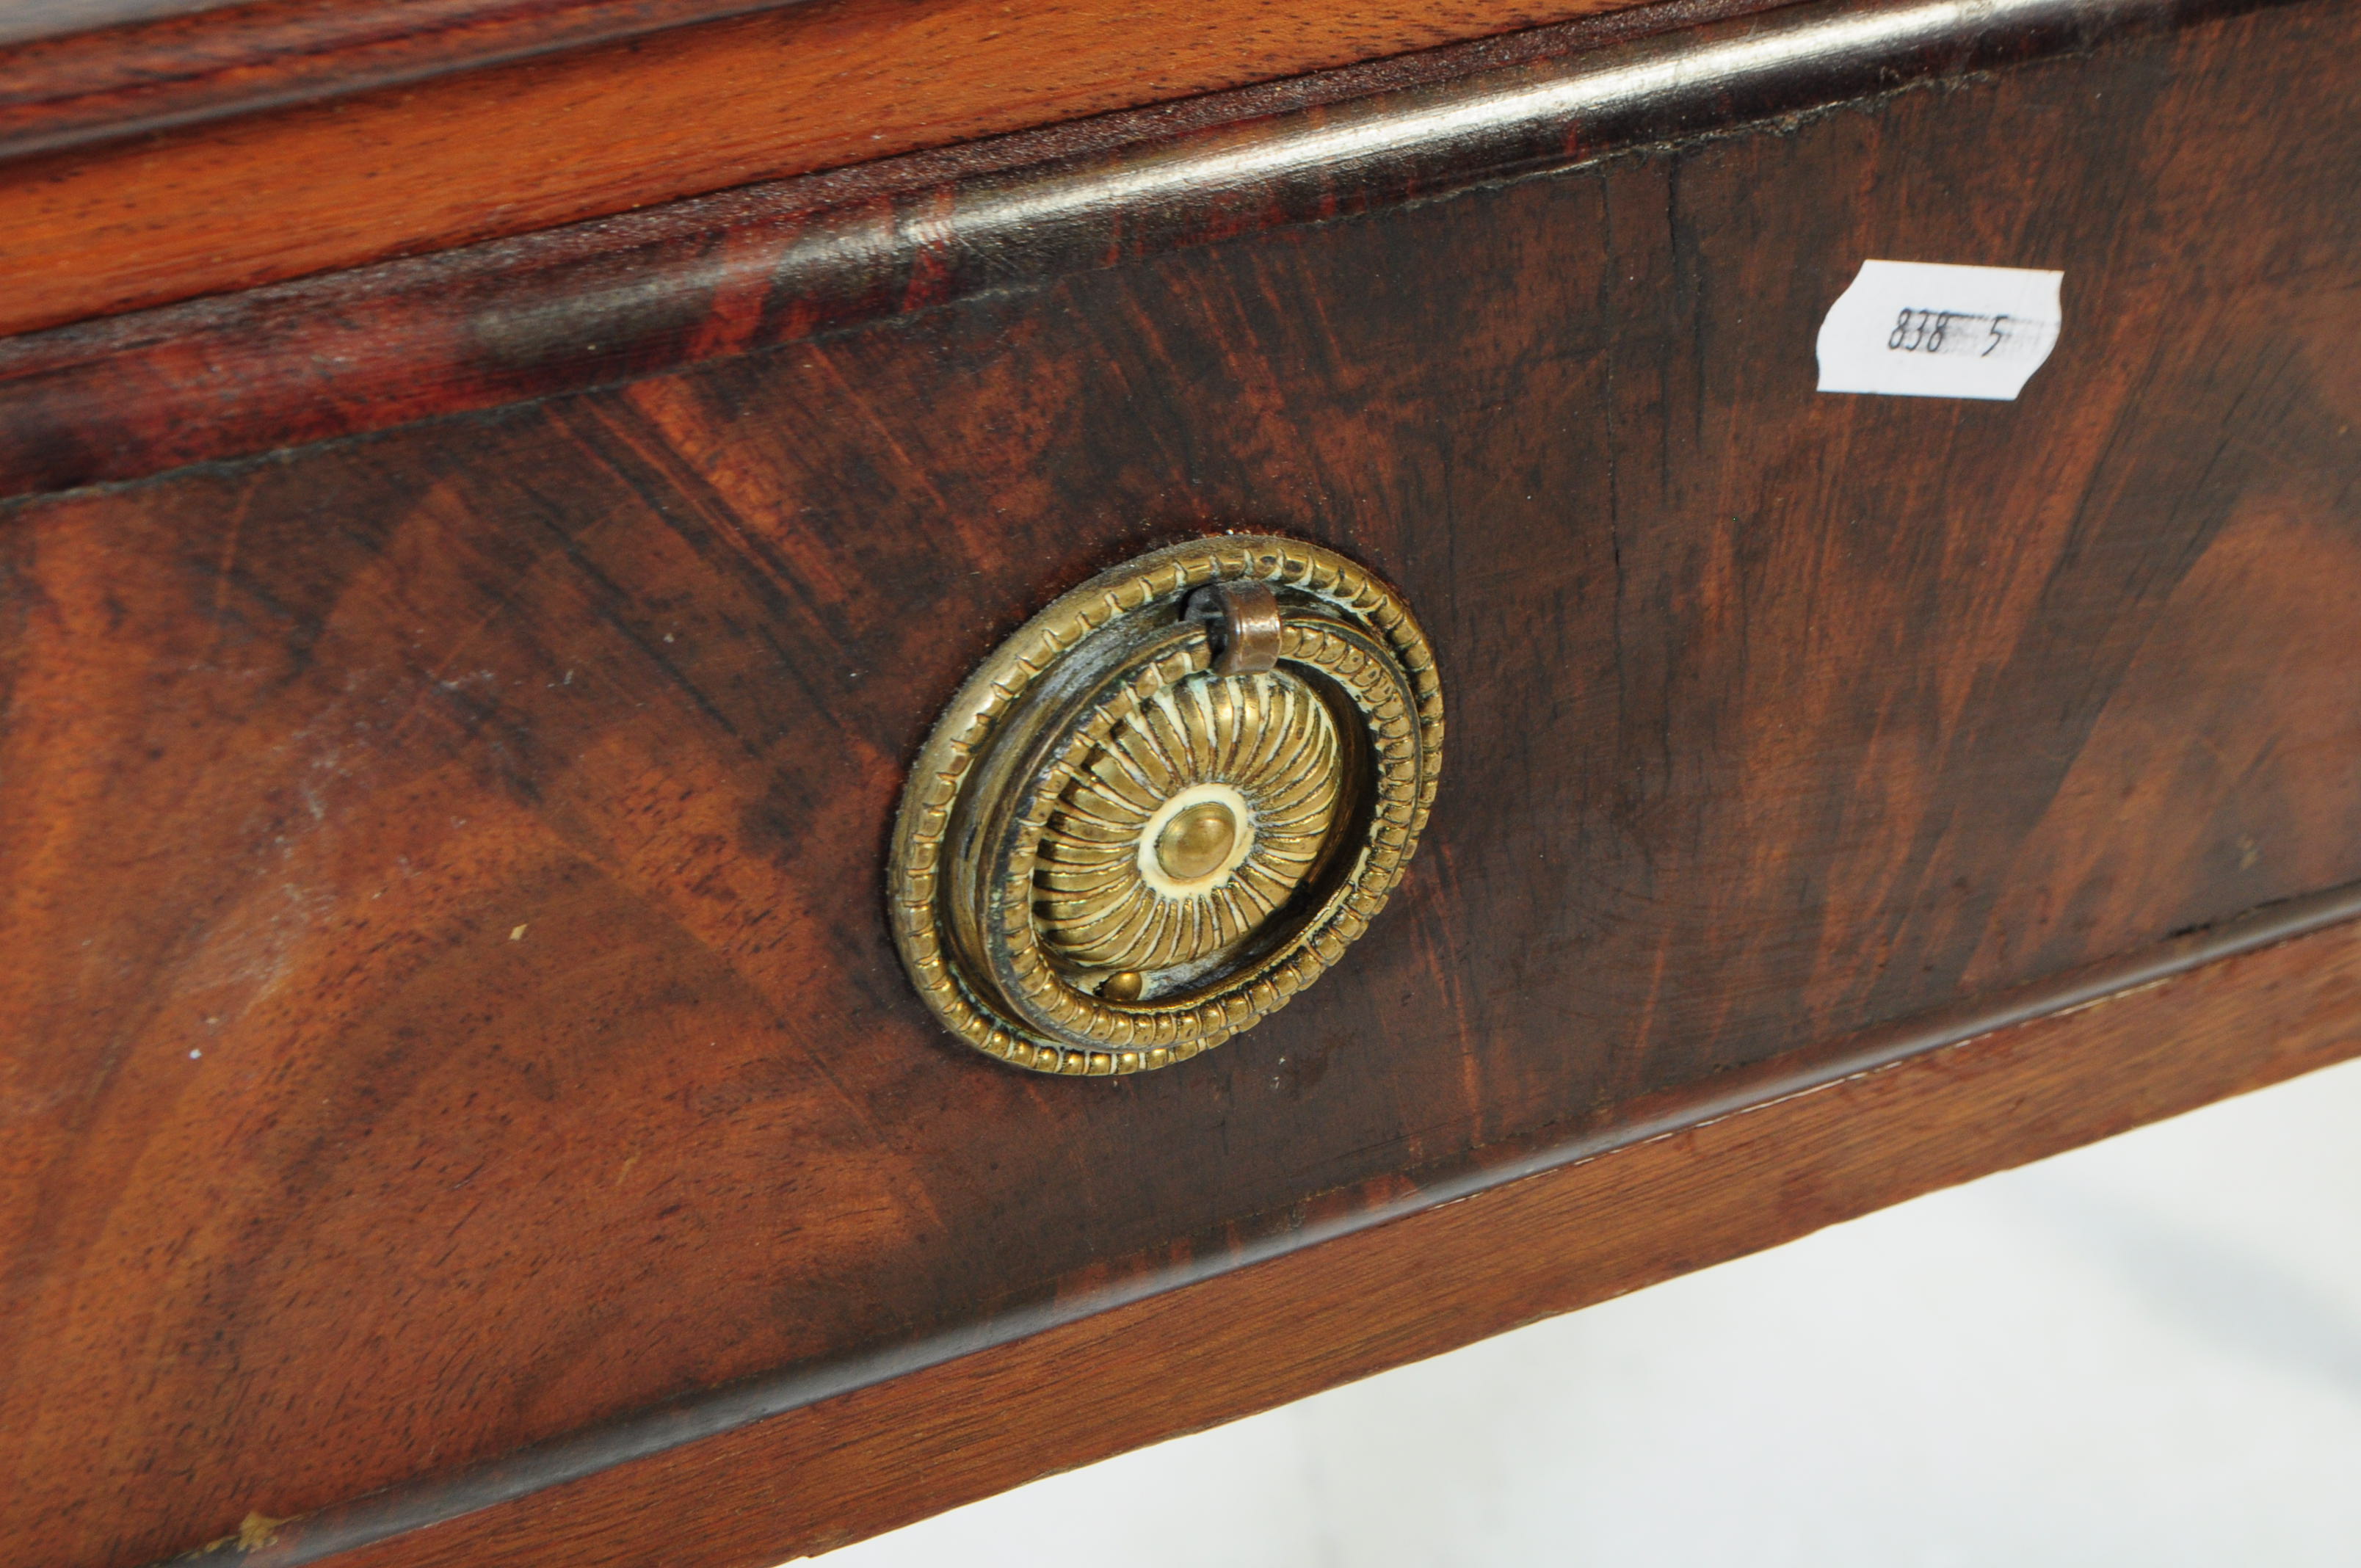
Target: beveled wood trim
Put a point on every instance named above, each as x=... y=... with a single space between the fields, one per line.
x=71 y=82
x=468 y=155
x=746 y=1478
x=607 y=301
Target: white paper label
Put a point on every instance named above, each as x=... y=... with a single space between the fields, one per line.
x=1921 y=329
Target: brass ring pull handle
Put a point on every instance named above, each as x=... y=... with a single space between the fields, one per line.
x=1166 y=805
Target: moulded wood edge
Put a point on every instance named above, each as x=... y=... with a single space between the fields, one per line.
x=76 y=82
x=1726 y=1180
x=345 y=353
x=402 y=148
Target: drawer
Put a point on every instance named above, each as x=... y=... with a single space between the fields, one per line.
x=464 y=1088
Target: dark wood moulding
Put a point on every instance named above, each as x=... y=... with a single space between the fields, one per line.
x=604 y=301
x=799 y=1464
x=131 y=158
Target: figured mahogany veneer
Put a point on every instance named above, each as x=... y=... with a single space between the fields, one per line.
x=458 y=1087
x=1698 y=1180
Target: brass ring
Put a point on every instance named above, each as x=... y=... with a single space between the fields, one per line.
x=1027 y=899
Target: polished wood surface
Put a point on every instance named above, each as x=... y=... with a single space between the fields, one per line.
x=598 y=302
x=510 y=149
x=1698 y=1189
x=451 y=1009
x=79 y=74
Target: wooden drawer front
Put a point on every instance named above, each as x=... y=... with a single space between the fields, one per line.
x=451 y=997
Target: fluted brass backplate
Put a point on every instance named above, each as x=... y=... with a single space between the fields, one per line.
x=1166 y=805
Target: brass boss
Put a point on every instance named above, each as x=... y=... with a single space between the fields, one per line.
x=1196 y=843
x=1166 y=805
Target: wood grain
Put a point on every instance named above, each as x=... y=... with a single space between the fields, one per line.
x=512 y=148
x=450 y=1006
x=603 y=302
x=114 y=72
x=1725 y=1183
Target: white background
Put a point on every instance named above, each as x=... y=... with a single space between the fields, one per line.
x=2144 y=1352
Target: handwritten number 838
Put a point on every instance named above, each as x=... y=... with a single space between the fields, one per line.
x=1926 y=332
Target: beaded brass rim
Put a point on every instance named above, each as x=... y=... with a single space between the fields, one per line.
x=1127 y=840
